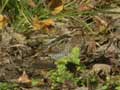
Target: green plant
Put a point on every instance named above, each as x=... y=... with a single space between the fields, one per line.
x=8 y=86
x=113 y=82
x=117 y=88
x=67 y=67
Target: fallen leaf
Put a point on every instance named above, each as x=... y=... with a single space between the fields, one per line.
x=24 y=80
x=57 y=9
x=85 y=7
x=3 y=21
x=38 y=25
x=55 y=5
x=106 y=69
x=32 y=3
x=103 y=22
x=91 y=46
x=48 y=22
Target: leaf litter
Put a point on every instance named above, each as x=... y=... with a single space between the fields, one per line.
x=32 y=54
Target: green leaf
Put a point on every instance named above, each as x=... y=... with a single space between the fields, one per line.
x=74 y=56
x=75 y=52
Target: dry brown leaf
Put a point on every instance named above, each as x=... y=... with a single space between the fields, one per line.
x=32 y=3
x=56 y=5
x=48 y=22
x=3 y=21
x=57 y=9
x=106 y=69
x=103 y=22
x=85 y=7
x=91 y=47
x=24 y=79
x=37 y=24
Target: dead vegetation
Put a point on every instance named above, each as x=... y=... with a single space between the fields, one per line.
x=33 y=43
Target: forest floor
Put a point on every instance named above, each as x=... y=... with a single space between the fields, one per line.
x=30 y=47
